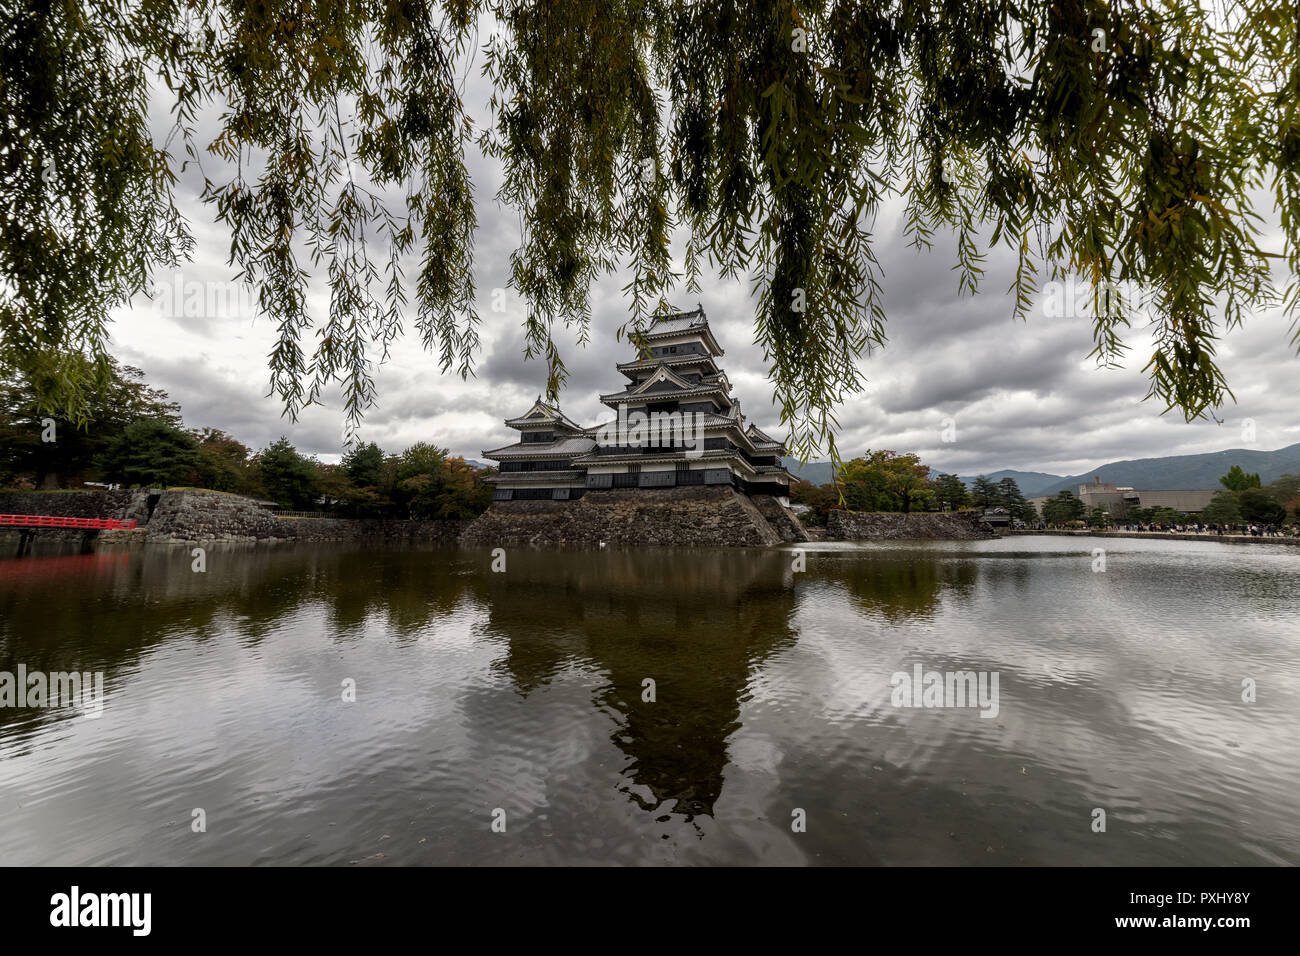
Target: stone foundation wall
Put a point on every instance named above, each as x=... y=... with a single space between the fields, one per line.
x=77 y=504
x=783 y=521
x=209 y=516
x=881 y=526
x=191 y=516
x=681 y=517
x=122 y=505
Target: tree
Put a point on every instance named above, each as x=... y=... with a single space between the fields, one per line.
x=1140 y=515
x=888 y=480
x=1167 y=517
x=1238 y=480
x=1259 y=507
x=431 y=484
x=223 y=463
x=332 y=486
x=984 y=493
x=863 y=489
x=1222 y=509
x=287 y=477
x=766 y=137
x=150 y=453
x=951 y=492
x=822 y=499
x=370 y=481
x=364 y=465
x=422 y=480
x=1009 y=497
x=109 y=406
x=1065 y=507
x=1286 y=492
x=422 y=458
x=1098 y=518
x=1031 y=513
x=453 y=492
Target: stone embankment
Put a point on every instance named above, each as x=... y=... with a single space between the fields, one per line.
x=882 y=526
x=784 y=521
x=77 y=504
x=679 y=517
x=188 y=516
x=195 y=517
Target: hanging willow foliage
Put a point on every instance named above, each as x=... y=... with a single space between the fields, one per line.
x=1120 y=141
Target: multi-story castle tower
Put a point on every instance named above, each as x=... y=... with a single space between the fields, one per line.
x=675 y=424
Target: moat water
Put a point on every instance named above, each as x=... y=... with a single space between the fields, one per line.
x=655 y=706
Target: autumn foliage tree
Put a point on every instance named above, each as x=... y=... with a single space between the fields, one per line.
x=885 y=481
x=820 y=499
x=225 y=463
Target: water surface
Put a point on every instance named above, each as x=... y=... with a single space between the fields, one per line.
x=525 y=692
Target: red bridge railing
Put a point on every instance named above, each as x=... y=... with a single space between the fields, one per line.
x=56 y=521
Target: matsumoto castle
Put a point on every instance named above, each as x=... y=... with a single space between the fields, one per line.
x=675 y=424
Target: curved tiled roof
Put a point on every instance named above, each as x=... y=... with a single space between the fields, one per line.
x=678 y=323
x=548 y=477
x=759 y=436
x=541 y=413
x=650 y=361
x=575 y=445
x=629 y=395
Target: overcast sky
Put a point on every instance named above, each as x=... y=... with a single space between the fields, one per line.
x=1010 y=394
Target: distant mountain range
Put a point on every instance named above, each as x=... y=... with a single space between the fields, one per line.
x=816 y=472
x=1027 y=481
x=1171 y=473
x=1182 y=472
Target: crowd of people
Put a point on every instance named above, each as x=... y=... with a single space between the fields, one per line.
x=1252 y=530
x=1200 y=528
x=1195 y=527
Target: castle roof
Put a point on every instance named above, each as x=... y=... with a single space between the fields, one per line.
x=543 y=414
x=575 y=445
x=759 y=437
x=665 y=380
x=683 y=372
x=679 y=323
x=650 y=361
